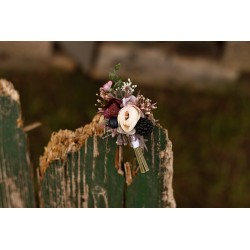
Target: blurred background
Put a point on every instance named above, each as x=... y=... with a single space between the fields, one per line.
x=202 y=90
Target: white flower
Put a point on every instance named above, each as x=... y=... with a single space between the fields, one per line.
x=128 y=118
x=128 y=88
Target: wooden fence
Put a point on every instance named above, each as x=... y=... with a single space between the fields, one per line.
x=79 y=168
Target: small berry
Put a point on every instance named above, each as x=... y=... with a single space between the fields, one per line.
x=144 y=126
x=113 y=123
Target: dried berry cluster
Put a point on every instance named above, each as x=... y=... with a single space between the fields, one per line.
x=144 y=127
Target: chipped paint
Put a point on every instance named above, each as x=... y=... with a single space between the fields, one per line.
x=119 y=159
x=166 y=163
x=93 y=180
x=95 y=154
x=14 y=194
x=78 y=179
x=7 y=89
x=128 y=173
x=100 y=196
x=15 y=168
x=85 y=196
x=19 y=122
x=152 y=151
x=95 y=147
x=105 y=161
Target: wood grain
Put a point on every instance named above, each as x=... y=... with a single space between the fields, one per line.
x=16 y=183
x=89 y=176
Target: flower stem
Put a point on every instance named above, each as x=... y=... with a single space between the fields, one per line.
x=141 y=160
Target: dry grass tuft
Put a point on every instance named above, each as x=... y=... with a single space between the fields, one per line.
x=65 y=141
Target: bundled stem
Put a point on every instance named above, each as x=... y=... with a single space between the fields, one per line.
x=141 y=160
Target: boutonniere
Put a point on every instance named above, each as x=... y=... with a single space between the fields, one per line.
x=127 y=115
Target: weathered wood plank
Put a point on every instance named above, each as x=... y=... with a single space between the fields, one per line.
x=154 y=189
x=86 y=176
x=16 y=184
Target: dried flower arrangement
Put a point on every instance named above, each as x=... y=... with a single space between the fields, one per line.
x=126 y=115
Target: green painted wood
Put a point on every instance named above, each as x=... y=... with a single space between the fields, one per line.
x=16 y=184
x=88 y=177
x=154 y=188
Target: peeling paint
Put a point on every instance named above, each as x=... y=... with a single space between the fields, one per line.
x=99 y=193
x=95 y=154
x=15 y=194
x=19 y=122
x=167 y=163
x=7 y=89
x=85 y=191
x=93 y=181
x=85 y=197
x=95 y=147
x=78 y=179
x=105 y=161
x=73 y=179
x=128 y=173
x=152 y=151
x=15 y=168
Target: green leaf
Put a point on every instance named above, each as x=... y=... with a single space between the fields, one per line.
x=118 y=84
x=113 y=76
x=117 y=67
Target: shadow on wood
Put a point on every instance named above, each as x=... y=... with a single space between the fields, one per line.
x=78 y=170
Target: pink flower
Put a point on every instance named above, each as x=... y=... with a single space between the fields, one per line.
x=105 y=91
x=107 y=86
x=132 y=100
